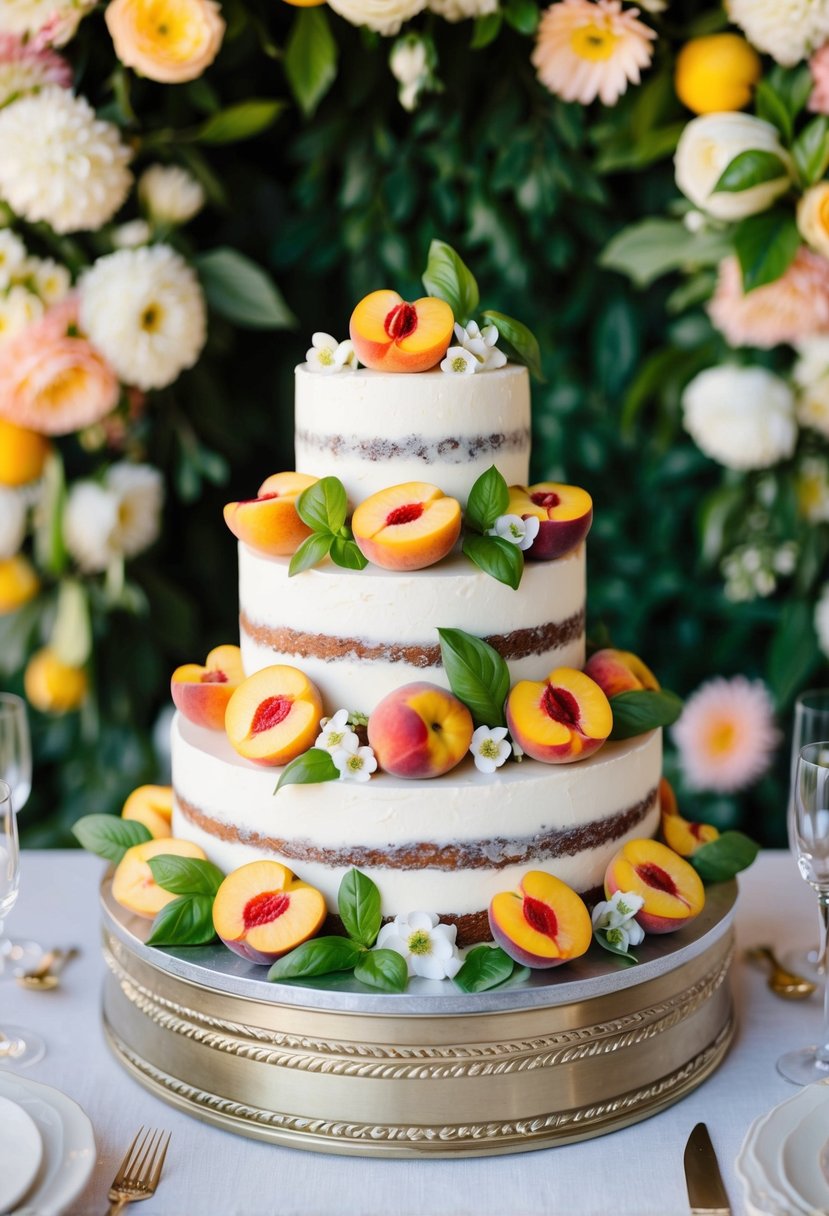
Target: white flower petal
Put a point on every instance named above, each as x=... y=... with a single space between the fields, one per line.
x=422 y=920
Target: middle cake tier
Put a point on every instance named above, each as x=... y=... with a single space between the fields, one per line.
x=361 y=634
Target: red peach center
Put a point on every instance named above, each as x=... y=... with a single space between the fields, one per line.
x=545 y=499
x=540 y=916
x=269 y=713
x=265 y=907
x=401 y=321
x=560 y=705
x=405 y=515
x=214 y=677
x=696 y=830
x=656 y=877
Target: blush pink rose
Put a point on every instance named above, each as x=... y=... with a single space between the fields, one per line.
x=793 y=307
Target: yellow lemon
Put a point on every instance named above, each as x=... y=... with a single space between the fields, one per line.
x=306 y=3
x=53 y=687
x=18 y=583
x=716 y=73
x=22 y=454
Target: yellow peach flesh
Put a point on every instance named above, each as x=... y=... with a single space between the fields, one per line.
x=239 y=888
x=671 y=888
x=392 y=335
x=133 y=885
x=568 y=709
x=297 y=919
x=151 y=805
x=274 y=715
x=407 y=527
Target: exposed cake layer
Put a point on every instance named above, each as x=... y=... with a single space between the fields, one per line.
x=446 y=845
x=376 y=429
x=360 y=634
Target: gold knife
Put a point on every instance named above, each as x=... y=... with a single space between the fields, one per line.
x=706 y=1192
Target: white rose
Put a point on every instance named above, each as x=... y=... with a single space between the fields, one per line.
x=707 y=147
x=742 y=417
x=789 y=30
x=462 y=10
x=813 y=217
x=170 y=194
x=384 y=16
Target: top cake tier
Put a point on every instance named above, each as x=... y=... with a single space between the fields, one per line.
x=375 y=429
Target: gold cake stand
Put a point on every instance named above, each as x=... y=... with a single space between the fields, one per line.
x=433 y=1072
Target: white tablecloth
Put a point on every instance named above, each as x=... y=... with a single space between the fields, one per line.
x=634 y=1172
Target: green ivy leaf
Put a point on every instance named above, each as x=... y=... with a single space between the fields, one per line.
x=811 y=150
x=186 y=875
x=320 y=956
x=750 y=168
x=449 y=278
x=346 y=552
x=358 y=902
x=635 y=713
x=314 y=549
x=323 y=506
x=724 y=857
x=240 y=290
x=385 y=970
x=794 y=652
x=496 y=556
x=522 y=340
x=310 y=768
x=611 y=948
x=766 y=245
x=310 y=58
x=488 y=498
x=477 y=675
x=187 y=921
x=109 y=836
x=484 y=967
x=239 y=122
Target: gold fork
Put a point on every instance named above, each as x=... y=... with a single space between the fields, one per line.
x=140 y=1170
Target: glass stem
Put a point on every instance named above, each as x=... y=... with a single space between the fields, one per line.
x=822 y=1053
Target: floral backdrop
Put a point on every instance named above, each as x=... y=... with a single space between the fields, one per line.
x=189 y=189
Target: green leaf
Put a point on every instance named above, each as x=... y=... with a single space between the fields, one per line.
x=522 y=15
x=50 y=549
x=449 y=278
x=323 y=506
x=358 y=902
x=186 y=875
x=477 y=675
x=239 y=122
x=310 y=768
x=794 y=652
x=240 y=290
x=771 y=107
x=766 y=245
x=314 y=549
x=488 y=498
x=722 y=508
x=384 y=970
x=485 y=30
x=522 y=340
x=187 y=921
x=811 y=150
x=652 y=248
x=600 y=937
x=71 y=637
x=109 y=836
x=346 y=552
x=724 y=857
x=750 y=168
x=317 y=957
x=642 y=710
x=310 y=59
x=484 y=967
x=496 y=556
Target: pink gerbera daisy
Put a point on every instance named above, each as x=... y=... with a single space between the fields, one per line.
x=590 y=48
x=726 y=736
x=791 y=309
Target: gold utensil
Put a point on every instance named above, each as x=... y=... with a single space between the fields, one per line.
x=782 y=982
x=706 y=1193
x=140 y=1170
x=44 y=977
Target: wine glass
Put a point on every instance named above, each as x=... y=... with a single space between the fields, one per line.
x=16 y=771
x=811 y=724
x=18 y=1048
x=810 y=832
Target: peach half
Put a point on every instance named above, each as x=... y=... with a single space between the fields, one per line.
x=407 y=527
x=681 y=835
x=151 y=805
x=133 y=885
x=563 y=718
x=620 y=671
x=390 y=335
x=202 y=693
x=670 y=886
x=274 y=715
x=565 y=514
x=420 y=730
x=543 y=923
x=270 y=523
x=261 y=911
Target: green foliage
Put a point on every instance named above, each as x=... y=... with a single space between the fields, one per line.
x=310 y=768
x=477 y=675
x=641 y=710
x=108 y=836
x=484 y=967
x=724 y=858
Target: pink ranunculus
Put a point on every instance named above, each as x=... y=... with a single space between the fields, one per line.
x=25 y=66
x=52 y=380
x=819 y=67
x=791 y=309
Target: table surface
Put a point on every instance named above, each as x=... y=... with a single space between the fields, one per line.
x=633 y=1172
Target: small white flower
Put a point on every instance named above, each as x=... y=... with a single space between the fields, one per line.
x=50 y=279
x=139 y=489
x=481 y=343
x=170 y=194
x=328 y=356
x=695 y=221
x=12 y=256
x=131 y=235
x=346 y=356
x=427 y=946
x=518 y=531
x=90 y=522
x=12 y=522
x=409 y=60
x=618 y=910
x=490 y=748
x=17 y=309
x=784 y=559
x=336 y=734
x=459 y=362
x=355 y=765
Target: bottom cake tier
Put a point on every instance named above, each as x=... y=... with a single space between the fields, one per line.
x=445 y=846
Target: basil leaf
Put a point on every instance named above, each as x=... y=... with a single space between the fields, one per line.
x=310 y=768
x=600 y=937
x=323 y=506
x=811 y=150
x=186 y=875
x=522 y=340
x=358 y=902
x=187 y=921
x=496 y=556
x=317 y=957
x=314 y=549
x=109 y=836
x=488 y=498
x=724 y=857
x=449 y=278
x=636 y=712
x=766 y=245
x=346 y=552
x=483 y=968
x=477 y=675
x=750 y=168
x=385 y=970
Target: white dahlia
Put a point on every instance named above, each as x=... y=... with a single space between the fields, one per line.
x=61 y=164
x=461 y=10
x=12 y=522
x=90 y=523
x=139 y=490
x=53 y=21
x=742 y=417
x=144 y=310
x=170 y=194
x=788 y=30
x=384 y=16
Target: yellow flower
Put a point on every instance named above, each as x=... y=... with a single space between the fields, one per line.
x=53 y=687
x=716 y=73
x=18 y=583
x=166 y=40
x=22 y=454
x=813 y=217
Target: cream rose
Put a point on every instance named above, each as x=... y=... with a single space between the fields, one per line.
x=708 y=145
x=384 y=16
x=742 y=417
x=813 y=217
x=166 y=40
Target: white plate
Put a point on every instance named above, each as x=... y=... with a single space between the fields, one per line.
x=800 y=1170
x=68 y=1145
x=21 y=1150
x=759 y=1163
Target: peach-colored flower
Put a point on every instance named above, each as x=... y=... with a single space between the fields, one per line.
x=726 y=735
x=792 y=308
x=24 y=67
x=591 y=48
x=819 y=67
x=52 y=380
x=166 y=40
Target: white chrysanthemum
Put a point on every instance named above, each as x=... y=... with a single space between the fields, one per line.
x=821 y=619
x=461 y=10
x=55 y=21
x=742 y=417
x=12 y=256
x=139 y=490
x=61 y=164
x=131 y=235
x=49 y=279
x=12 y=522
x=384 y=16
x=90 y=525
x=170 y=194
x=788 y=30
x=144 y=310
